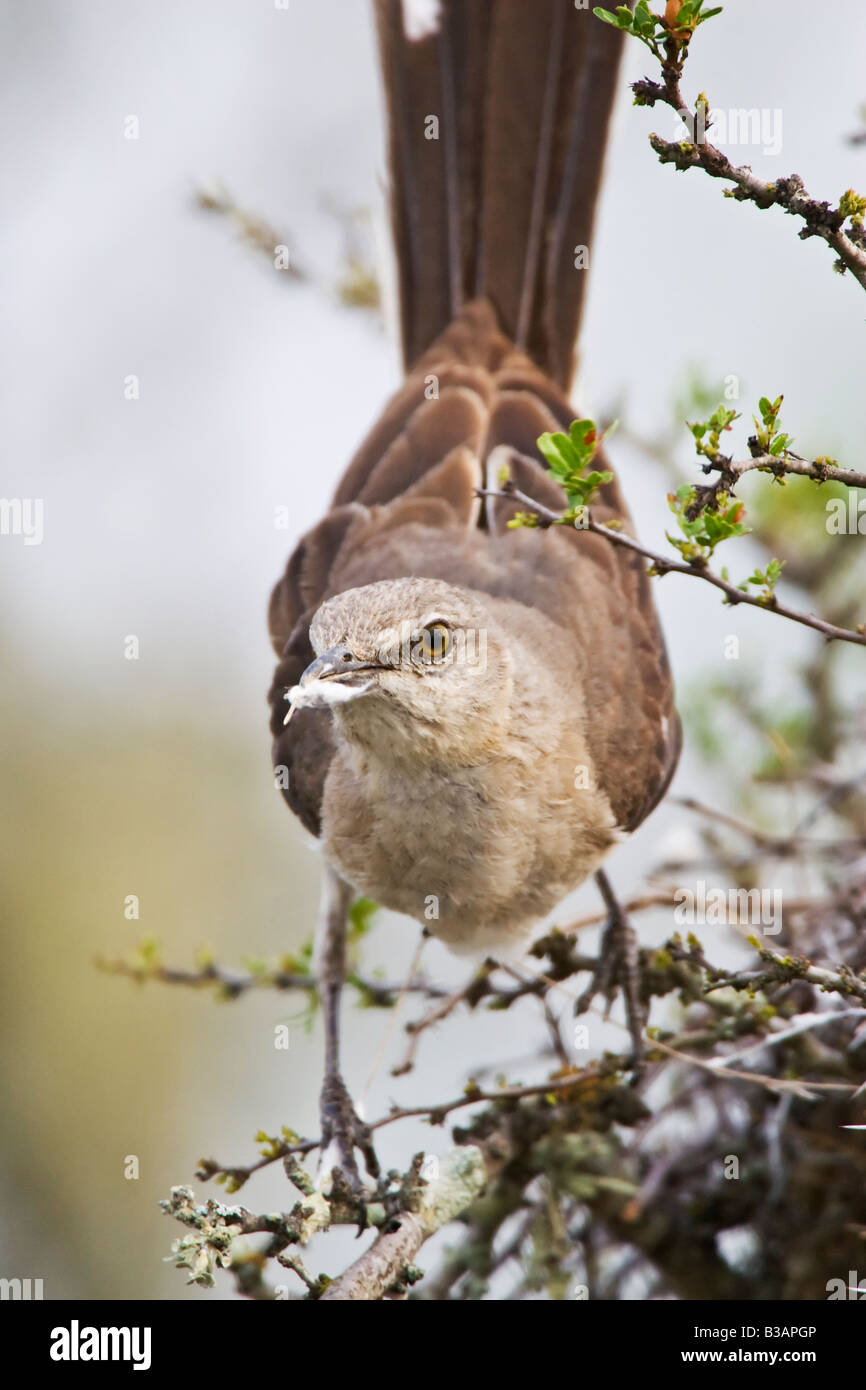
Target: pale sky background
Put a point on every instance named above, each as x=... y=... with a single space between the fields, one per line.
x=159 y=513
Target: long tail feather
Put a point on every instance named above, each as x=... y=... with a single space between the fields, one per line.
x=497 y=121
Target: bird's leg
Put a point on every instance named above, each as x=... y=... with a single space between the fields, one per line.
x=618 y=965
x=342 y=1130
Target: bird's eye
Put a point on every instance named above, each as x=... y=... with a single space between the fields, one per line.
x=435 y=641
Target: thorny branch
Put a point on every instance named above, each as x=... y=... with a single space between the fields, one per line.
x=767 y=1031
x=573 y=1096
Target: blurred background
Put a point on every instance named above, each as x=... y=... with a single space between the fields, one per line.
x=169 y=395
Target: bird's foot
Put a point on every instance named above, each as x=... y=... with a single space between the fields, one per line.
x=343 y=1131
x=619 y=968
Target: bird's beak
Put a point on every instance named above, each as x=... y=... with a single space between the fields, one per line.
x=337 y=661
x=331 y=679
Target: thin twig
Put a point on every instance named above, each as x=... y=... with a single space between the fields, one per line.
x=662 y=564
x=818 y=218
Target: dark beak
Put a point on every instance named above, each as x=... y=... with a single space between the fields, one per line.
x=337 y=661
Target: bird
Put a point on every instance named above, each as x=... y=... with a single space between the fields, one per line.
x=471 y=713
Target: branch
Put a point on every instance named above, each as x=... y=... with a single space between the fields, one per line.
x=782 y=1086
x=474 y=989
x=291 y=1148
x=785 y=968
x=231 y=984
x=819 y=218
x=730 y=472
x=669 y=42
x=662 y=565
x=386 y=1268
x=474 y=1095
x=778 y=846
x=806 y=1023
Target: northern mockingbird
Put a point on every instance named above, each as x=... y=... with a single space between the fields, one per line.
x=477 y=713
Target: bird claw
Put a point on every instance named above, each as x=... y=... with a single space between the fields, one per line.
x=619 y=968
x=343 y=1132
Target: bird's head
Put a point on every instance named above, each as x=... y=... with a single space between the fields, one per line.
x=412 y=668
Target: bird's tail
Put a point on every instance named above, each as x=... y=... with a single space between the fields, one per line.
x=497 y=120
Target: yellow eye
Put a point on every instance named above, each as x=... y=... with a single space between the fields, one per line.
x=435 y=641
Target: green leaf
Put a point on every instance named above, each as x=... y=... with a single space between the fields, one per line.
x=765 y=579
x=522 y=519
x=643 y=23
x=703 y=532
x=568 y=457
x=718 y=423
x=556 y=448
x=361 y=915
x=611 y=18
x=578 y=431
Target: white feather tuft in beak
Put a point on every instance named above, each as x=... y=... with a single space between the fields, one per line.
x=323 y=693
